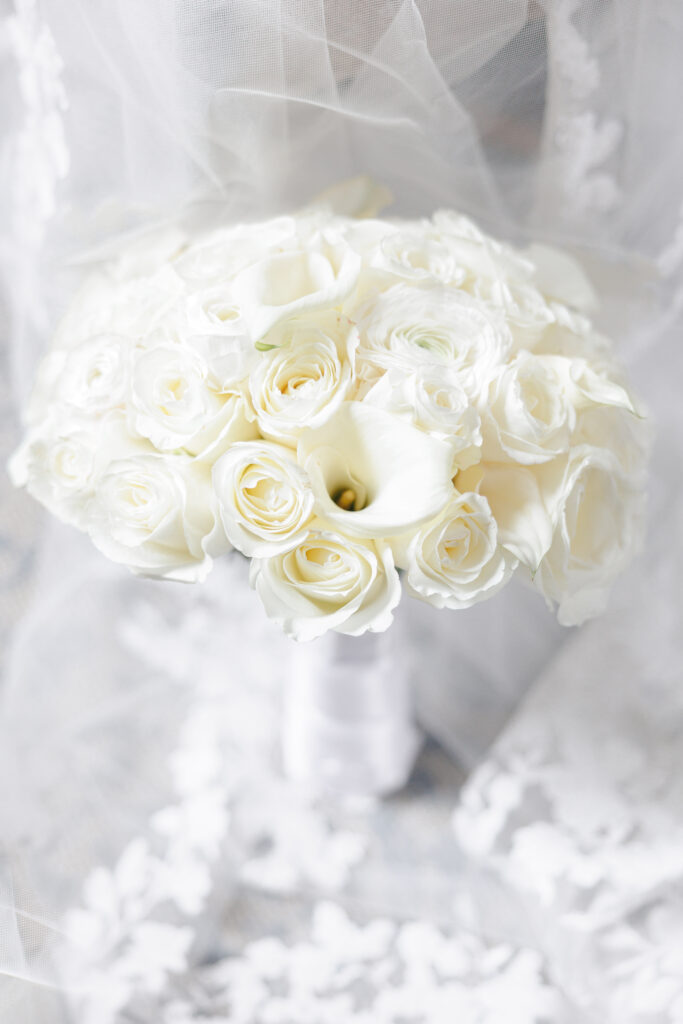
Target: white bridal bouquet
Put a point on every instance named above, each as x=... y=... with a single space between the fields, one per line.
x=337 y=399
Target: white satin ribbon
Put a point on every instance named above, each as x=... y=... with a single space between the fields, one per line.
x=348 y=722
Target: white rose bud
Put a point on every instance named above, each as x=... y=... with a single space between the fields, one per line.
x=597 y=533
x=306 y=376
x=456 y=560
x=155 y=514
x=328 y=581
x=264 y=497
x=176 y=405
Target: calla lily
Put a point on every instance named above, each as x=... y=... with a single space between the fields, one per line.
x=374 y=474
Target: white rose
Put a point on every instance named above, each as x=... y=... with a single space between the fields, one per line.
x=155 y=514
x=264 y=498
x=524 y=500
x=434 y=401
x=456 y=560
x=597 y=533
x=328 y=581
x=217 y=256
x=498 y=274
x=561 y=277
x=483 y=257
x=304 y=379
x=92 y=378
x=409 y=327
x=176 y=405
x=131 y=307
x=60 y=459
x=374 y=474
x=314 y=273
x=214 y=311
x=626 y=434
x=528 y=411
x=229 y=358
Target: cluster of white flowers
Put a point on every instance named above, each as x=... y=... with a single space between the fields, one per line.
x=337 y=399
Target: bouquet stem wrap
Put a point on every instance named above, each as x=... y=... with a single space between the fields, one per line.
x=348 y=723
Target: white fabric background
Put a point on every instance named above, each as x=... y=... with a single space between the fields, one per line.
x=555 y=120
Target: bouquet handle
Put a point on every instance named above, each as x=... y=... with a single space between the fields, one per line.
x=348 y=716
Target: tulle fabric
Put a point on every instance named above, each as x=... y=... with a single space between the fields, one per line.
x=554 y=120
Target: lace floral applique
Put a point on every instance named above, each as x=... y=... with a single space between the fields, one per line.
x=380 y=972
x=40 y=153
x=583 y=141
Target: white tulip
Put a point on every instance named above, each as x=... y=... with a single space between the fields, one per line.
x=304 y=379
x=328 y=581
x=456 y=560
x=264 y=498
x=374 y=474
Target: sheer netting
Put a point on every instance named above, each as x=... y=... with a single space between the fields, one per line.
x=139 y=797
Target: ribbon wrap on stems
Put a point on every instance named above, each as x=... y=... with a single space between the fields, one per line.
x=348 y=723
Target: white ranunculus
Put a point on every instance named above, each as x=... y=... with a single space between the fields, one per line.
x=304 y=379
x=456 y=560
x=176 y=405
x=155 y=514
x=433 y=400
x=410 y=327
x=597 y=533
x=315 y=273
x=264 y=498
x=60 y=459
x=373 y=473
x=328 y=581
x=528 y=412
x=418 y=253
